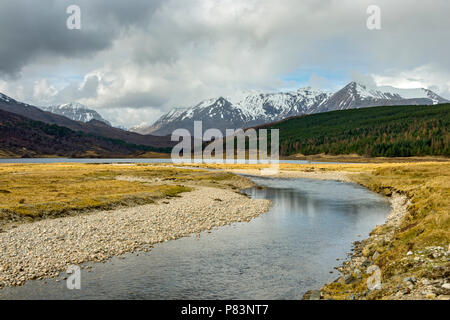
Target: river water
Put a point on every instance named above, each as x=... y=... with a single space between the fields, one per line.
x=279 y=255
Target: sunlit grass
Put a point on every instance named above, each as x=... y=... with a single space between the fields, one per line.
x=38 y=190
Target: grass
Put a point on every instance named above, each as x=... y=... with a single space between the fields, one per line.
x=426 y=224
x=354 y=158
x=29 y=191
x=428 y=187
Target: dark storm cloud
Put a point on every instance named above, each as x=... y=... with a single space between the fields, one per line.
x=31 y=29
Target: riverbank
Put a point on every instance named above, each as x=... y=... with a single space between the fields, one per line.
x=42 y=244
x=411 y=250
x=359 y=278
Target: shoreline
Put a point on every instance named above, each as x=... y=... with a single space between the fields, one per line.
x=42 y=249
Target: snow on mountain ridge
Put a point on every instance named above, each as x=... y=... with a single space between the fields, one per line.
x=255 y=108
x=274 y=105
x=76 y=111
x=389 y=92
x=72 y=105
x=258 y=107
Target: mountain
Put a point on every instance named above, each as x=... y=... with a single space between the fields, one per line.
x=76 y=111
x=94 y=126
x=259 y=108
x=356 y=95
x=253 y=109
x=22 y=137
x=215 y=113
x=387 y=131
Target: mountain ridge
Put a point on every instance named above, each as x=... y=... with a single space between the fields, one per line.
x=94 y=126
x=260 y=108
x=76 y=111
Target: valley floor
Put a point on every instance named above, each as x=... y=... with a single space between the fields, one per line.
x=131 y=212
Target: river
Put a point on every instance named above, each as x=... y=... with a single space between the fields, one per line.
x=279 y=255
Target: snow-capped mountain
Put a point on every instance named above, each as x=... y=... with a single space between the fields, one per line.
x=277 y=106
x=259 y=108
x=356 y=95
x=254 y=109
x=215 y=113
x=76 y=111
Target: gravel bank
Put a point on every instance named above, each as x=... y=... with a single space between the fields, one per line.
x=42 y=249
x=364 y=258
x=320 y=175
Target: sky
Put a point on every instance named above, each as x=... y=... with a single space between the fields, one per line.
x=134 y=60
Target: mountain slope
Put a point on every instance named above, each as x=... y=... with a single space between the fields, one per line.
x=22 y=137
x=355 y=95
x=259 y=108
x=76 y=111
x=379 y=131
x=215 y=113
x=93 y=127
x=253 y=109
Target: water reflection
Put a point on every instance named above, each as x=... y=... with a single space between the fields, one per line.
x=279 y=255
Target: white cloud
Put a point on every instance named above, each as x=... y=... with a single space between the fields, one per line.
x=428 y=76
x=43 y=91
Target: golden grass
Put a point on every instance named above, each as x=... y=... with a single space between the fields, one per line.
x=39 y=190
x=355 y=158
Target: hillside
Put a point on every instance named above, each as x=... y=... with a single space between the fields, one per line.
x=393 y=131
x=22 y=137
x=94 y=126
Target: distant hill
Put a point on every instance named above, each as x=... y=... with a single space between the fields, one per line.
x=393 y=131
x=93 y=126
x=22 y=137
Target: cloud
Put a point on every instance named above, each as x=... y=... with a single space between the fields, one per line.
x=429 y=76
x=31 y=30
x=366 y=79
x=147 y=57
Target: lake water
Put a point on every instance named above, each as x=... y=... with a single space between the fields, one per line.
x=279 y=255
x=119 y=160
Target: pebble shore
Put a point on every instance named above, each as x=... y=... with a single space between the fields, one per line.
x=363 y=258
x=319 y=175
x=45 y=248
